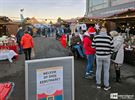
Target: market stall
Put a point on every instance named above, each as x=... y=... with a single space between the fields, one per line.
x=129 y=50
x=6 y=45
x=129 y=54
x=124 y=23
x=89 y=21
x=7 y=26
x=7 y=54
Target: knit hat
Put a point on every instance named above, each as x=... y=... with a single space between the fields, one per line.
x=91 y=30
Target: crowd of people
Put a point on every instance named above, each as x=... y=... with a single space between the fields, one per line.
x=25 y=36
x=97 y=46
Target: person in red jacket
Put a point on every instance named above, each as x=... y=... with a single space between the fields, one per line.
x=27 y=43
x=64 y=41
x=90 y=53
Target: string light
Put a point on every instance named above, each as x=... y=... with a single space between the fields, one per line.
x=115 y=17
x=104 y=19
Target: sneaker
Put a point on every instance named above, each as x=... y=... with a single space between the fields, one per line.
x=98 y=86
x=87 y=74
x=89 y=77
x=92 y=74
x=107 y=88
x=86 y=77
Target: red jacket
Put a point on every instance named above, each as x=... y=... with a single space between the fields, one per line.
x=88 y=46
x=64 y=41
x=27 y=41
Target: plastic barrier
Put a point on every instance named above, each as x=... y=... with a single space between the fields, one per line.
x=6 y=90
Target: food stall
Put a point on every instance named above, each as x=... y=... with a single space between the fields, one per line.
x=7 y=26
x=124 y=23
x=8 y=30
x=129 y=50
x=8 y=47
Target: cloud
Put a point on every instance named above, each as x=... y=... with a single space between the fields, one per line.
x=43 y=7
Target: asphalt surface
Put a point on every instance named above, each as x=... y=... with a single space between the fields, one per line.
x=84 y=89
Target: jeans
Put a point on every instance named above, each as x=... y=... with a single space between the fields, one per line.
x=20 y=49
x=49 y=34
x=105 y=62
x=80 y=49
x=90 y=62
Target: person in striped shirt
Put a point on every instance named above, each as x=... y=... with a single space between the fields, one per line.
x=103 y=44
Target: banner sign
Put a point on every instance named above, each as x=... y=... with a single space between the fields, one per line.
x=50 y=83
x=49 y=79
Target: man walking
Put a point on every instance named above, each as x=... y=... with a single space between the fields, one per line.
x=104 y=47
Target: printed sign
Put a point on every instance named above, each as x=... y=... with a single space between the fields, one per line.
x=50 y=83
x=83 y=26
x=49 y=79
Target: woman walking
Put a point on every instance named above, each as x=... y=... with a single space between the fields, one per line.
x=27 y=43
x=118 y=47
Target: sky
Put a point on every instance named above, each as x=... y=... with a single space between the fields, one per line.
x=43 y=8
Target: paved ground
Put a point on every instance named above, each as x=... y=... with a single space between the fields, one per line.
x=84 y=89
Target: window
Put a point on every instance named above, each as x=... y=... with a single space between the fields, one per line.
x=97 y=4
x=118 y=2
x=101 y=6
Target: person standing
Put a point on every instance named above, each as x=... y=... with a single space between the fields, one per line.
x=27 y=43
x=34 y=31
x=90 y=54
x=48 y=32
x=64 y=40
x=104 y=47
x=30 y=30
x=19 y=35
x=119 y=48
x=77 y=44
x=39 y=31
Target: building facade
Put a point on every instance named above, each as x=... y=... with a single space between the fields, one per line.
x=105 y=8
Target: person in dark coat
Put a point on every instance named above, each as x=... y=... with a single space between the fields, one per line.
x=19 y=35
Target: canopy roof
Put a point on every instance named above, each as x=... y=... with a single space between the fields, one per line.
x=32 y=21
x=128 y=15
x=6 y=21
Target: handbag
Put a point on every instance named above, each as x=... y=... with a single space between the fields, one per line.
x=32 y=53
x=113 y=55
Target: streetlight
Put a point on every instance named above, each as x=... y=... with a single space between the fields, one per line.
x=21 y=15
x=21 y=10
